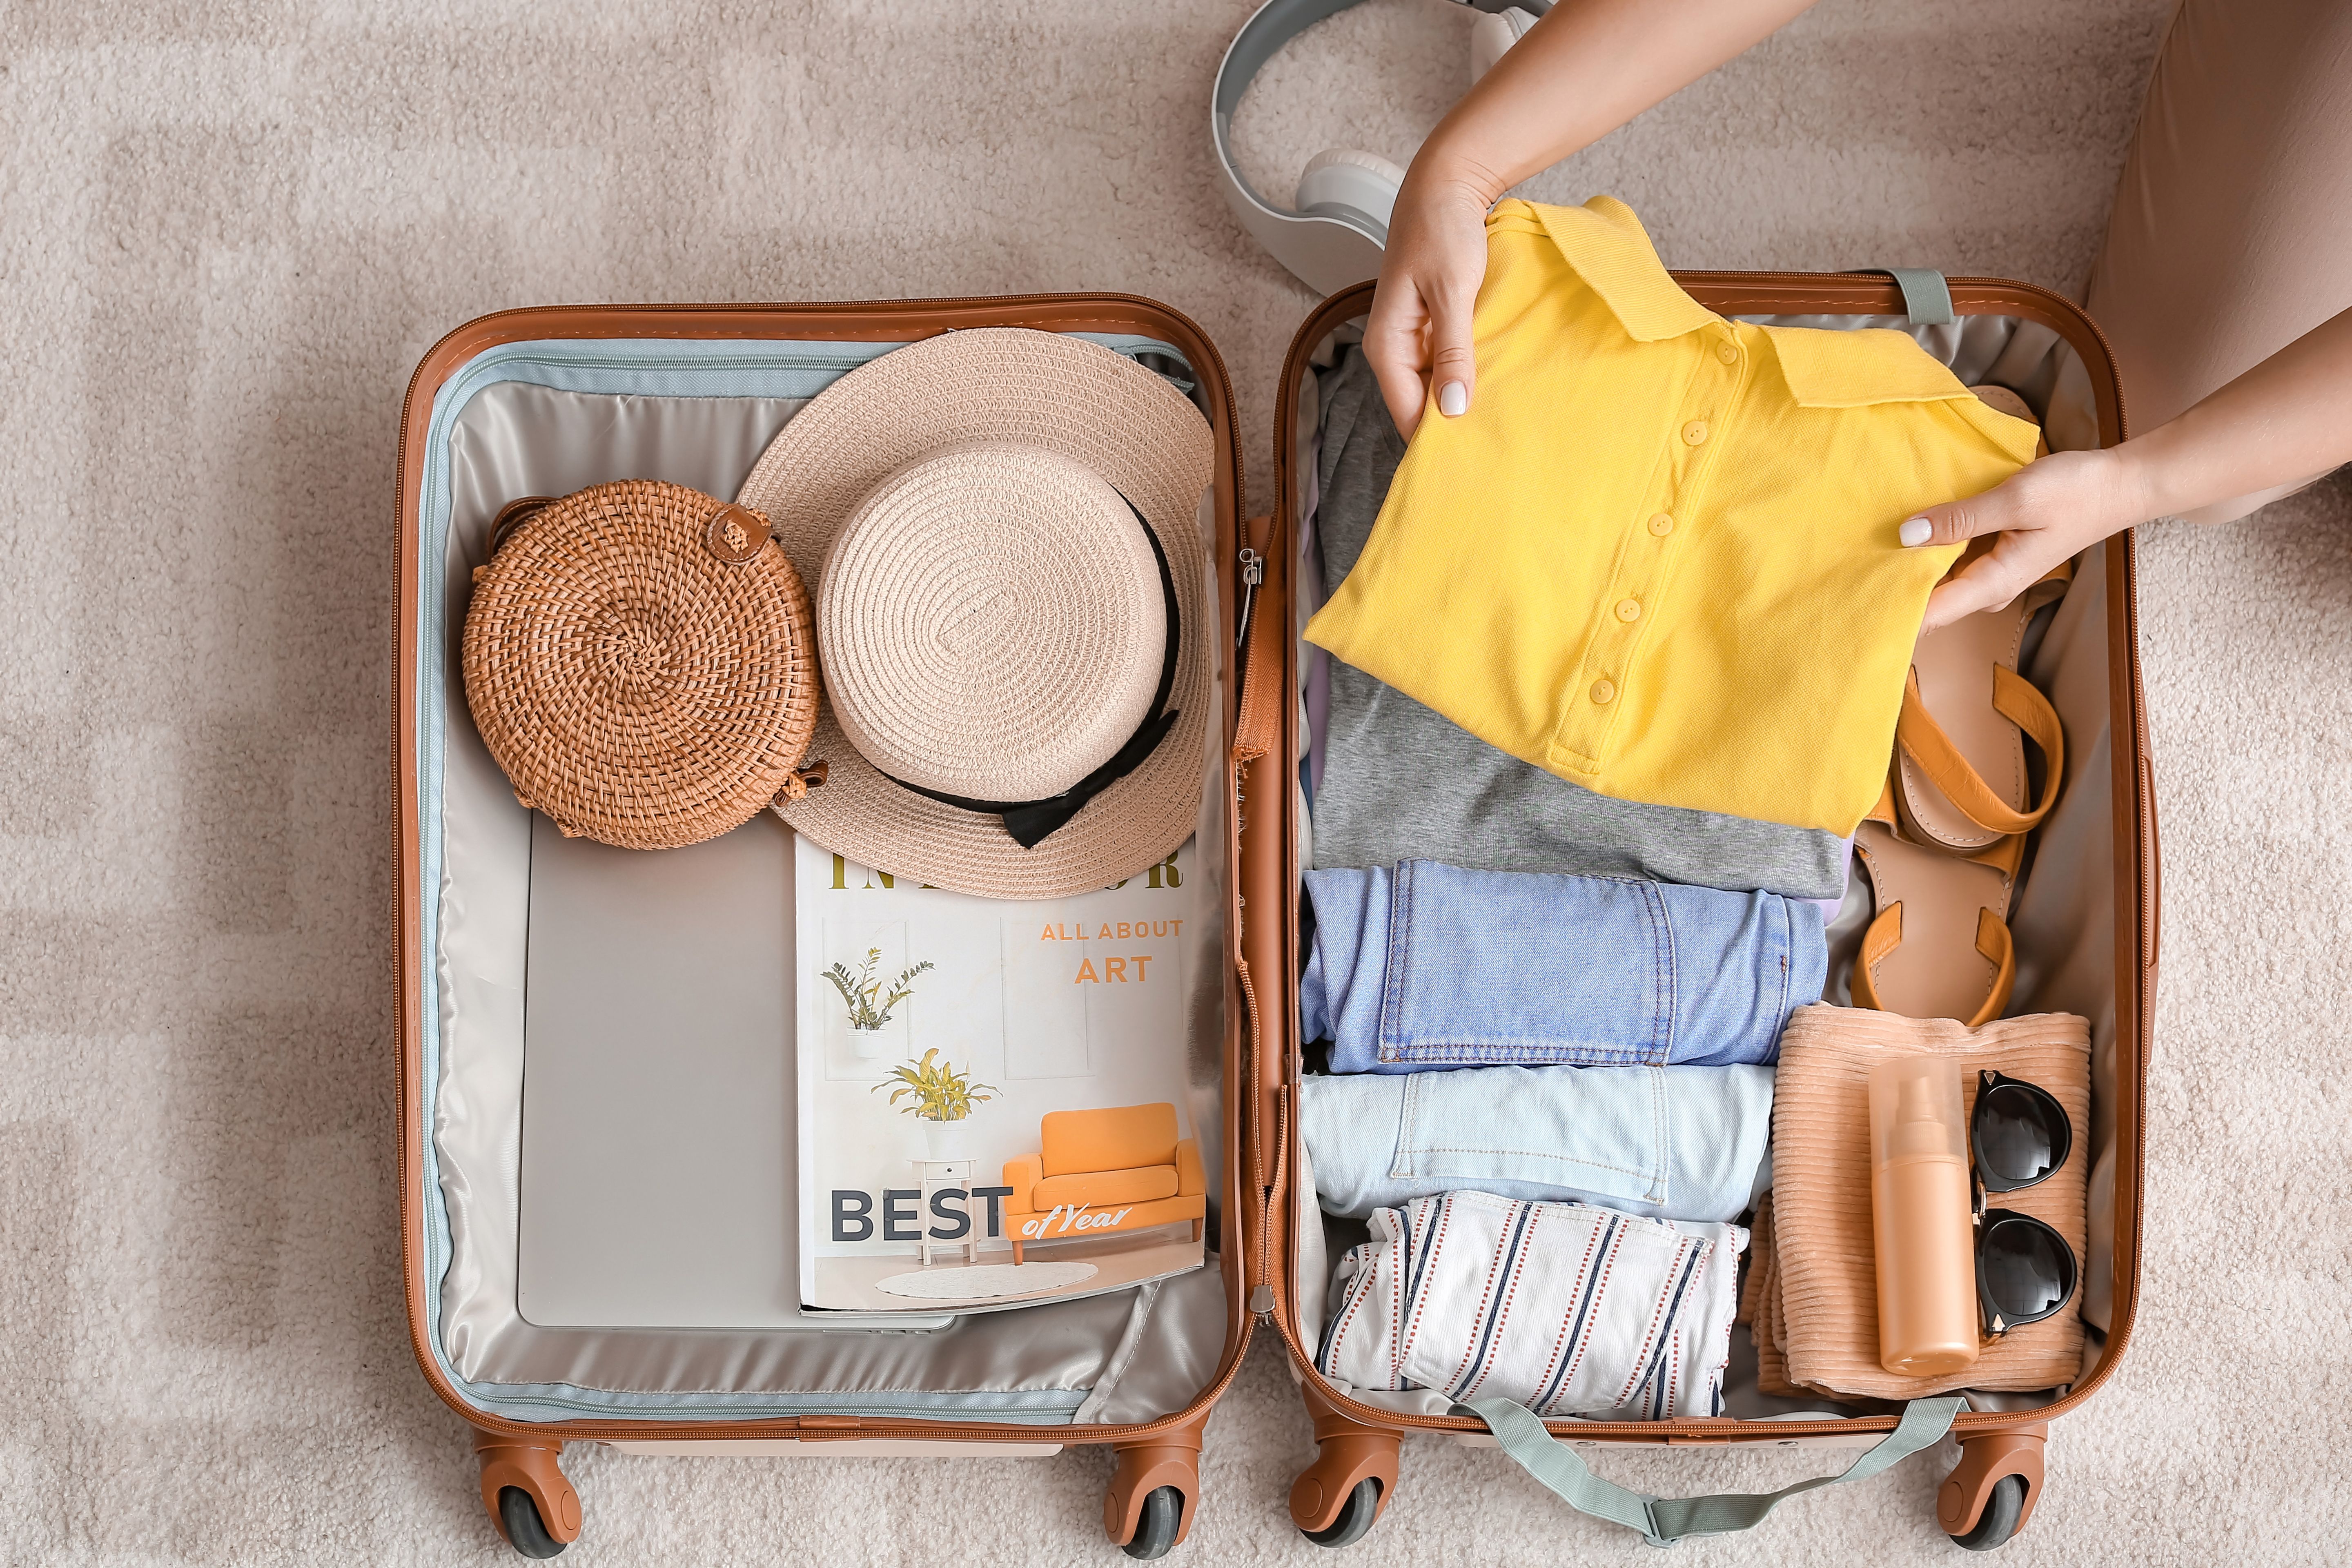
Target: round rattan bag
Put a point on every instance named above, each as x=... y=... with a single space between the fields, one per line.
x=638 y=658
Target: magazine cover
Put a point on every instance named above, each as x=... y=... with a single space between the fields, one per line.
x=991 y=1091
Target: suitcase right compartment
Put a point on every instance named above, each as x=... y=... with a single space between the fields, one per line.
x=2085 y=920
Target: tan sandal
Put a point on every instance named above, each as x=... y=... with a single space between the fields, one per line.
x=1939 y=945
x=1960 y=745
x=1944 y=845
x=1961 y=777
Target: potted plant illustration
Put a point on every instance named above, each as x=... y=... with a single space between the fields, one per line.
x=941 y=1098
x=870 y=1007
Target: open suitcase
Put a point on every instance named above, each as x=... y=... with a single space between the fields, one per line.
x=2087 y=944
x=1143 y=1385
x=545 y=401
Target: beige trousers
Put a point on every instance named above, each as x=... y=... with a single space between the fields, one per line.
x=2231 y=234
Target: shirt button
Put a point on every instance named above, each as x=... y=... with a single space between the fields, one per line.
x=1629 y=609
x=1695 y=432
x=1727 y=353
x=1604 y=691
x=1662 y=525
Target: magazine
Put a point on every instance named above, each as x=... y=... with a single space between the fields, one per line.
x=992 y=1103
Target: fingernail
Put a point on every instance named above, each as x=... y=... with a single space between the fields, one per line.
x=1916 y=531
x=1453 y=399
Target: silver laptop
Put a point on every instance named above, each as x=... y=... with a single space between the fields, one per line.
x=659 y=1169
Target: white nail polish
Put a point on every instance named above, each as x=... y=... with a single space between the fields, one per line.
x=1916 y=531
x=1452 y=400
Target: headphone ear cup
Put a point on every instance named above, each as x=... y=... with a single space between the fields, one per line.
x=1492 y=36
x=1344 y=183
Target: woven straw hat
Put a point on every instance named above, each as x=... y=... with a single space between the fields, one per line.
x=639 y=659
x=1003 y=526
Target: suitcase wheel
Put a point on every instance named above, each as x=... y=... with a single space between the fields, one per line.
x=524 y=1530
x=1148 y=1507
x=1155 y=1529
x=1356 y=1516
x=2002 y=1510
x=1990 y=1493
x=527 y=1494
x=1336 y=1498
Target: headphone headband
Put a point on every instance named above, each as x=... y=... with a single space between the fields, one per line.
x=1327 y=250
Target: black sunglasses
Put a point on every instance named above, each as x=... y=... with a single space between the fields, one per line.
x=2018 y=1136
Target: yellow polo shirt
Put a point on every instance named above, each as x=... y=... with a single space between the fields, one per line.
x=1657 y=557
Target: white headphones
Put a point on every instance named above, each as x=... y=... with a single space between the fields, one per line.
x=1335 y=236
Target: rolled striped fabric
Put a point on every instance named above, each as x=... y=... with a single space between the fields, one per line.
x=1568 y=1308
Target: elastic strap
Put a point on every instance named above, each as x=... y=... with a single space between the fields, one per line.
x=1665 y=1521
x=1927 y=298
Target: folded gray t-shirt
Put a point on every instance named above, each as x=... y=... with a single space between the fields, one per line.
x=1401 y=782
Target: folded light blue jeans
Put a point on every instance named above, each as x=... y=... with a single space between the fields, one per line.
x=1675 y=1143
x=1430 y=965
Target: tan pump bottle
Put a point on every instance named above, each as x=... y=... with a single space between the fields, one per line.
x=1919 y=1214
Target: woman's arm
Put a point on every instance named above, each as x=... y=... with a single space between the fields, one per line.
x=2286 y=422
x=1586 y=68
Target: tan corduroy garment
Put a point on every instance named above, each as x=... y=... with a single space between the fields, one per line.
x=1812 y=1293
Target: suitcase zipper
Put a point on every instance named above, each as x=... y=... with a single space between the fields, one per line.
x=843 y=363
x=1261 y=1301
x=1262 y=1298
x=1253 y=573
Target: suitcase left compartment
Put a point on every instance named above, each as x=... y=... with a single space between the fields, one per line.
x=669 y=1179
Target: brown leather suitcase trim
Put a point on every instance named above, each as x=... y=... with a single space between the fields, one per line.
x=908 y=320
x=1269 y=868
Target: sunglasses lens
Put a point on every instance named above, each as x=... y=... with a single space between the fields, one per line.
x=2020 y=1135
x=2026 y=1268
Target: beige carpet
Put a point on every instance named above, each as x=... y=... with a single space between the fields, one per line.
x=230 y=227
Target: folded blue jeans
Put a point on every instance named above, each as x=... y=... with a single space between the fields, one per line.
x=1675 y=1143
x=1430 y=965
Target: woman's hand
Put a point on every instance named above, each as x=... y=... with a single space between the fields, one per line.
x=2052 y=509
x=1418 y=338
x=2278 y=426
x=1585 y=68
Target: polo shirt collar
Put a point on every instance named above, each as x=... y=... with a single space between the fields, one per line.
x=1606 y=246
x=1825 y=368
x=1604 y=243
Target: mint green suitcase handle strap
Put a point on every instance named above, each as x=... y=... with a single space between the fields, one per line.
x=1665 y=1521
x=1927 y=298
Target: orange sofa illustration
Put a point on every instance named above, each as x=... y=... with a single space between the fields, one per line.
x=1100 y=1172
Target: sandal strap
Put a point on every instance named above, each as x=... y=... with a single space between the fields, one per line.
x=1884 y=812
x=2004 y=854
x=2015 y=698
x=1883 y=936
x=1993 y=940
